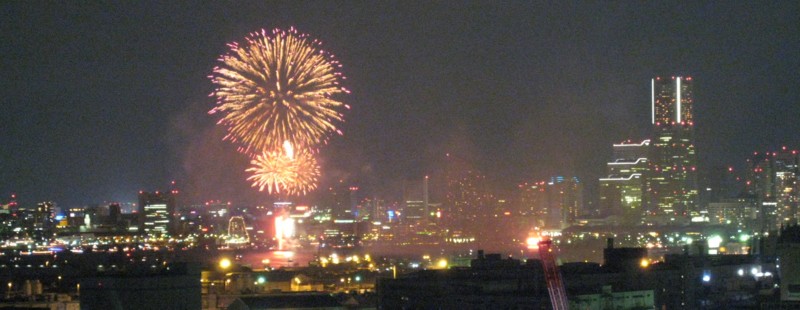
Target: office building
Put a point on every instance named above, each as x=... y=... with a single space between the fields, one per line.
x=156 y=213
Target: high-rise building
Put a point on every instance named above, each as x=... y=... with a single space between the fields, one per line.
x=566 y=196
x=467 y=194
x=342 y=200
x=721 y=183
x=533 y=199
x=671 y=181
x=414 y=211
x=45 y=213
x=156 y=213
x=553 y=204
x=622 y=188
x=44 y=221
x=772 y=177
x=415 y=197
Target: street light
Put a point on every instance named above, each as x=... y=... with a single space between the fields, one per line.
x=224 y=263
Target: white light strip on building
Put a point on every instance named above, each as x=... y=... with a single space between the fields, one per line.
x=630 y=177
x=629 y=162
x=644 y=142
x=653 y=100
x=678 y=106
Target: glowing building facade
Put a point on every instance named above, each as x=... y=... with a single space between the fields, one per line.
x=772 y=178
x=553 y=204
x=622 y=188
x=467 y=195
x=156 y=213
x=671 y=181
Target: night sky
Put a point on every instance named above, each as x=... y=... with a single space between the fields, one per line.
x=100 y=100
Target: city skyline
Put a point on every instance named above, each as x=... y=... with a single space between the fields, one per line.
x=104 y=101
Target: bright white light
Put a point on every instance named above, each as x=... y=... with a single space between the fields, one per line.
x=287 y=147
x=284 y=229
x=653 y=100
x=740 y=272
x=714 y=241
x=706 y=277
x=678 y=105
x=533 y=242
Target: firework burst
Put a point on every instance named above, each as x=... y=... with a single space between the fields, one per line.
x=277 y=87
x=290 y=172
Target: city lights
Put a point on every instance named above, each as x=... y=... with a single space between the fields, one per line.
x=498 y=156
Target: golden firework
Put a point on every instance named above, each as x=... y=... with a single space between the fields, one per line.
x=289 y=172
x=278 y=87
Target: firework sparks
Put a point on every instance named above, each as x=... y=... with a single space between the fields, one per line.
x=278 y=87
x=278 y=172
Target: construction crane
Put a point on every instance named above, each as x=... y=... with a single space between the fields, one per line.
x=555 y=285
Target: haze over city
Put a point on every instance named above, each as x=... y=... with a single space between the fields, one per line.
x=101 y=101
x=399 y=155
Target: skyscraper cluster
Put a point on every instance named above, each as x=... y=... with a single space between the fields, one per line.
x=554 y=204
x=772 y=181
x=657 y=177
x=656 y=180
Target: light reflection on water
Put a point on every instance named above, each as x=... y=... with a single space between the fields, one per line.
x=276 y=259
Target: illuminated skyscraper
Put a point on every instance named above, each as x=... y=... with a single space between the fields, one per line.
x=553 y=204
x=622 y=188
x=467 y=196
x=533 y=200
x=566 y=199
x=417 y=206
x=671 y=181
x=772 y=177
x=156 y=213
x=44 y=221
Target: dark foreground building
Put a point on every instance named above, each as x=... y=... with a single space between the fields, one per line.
x=626 y=280
x=177 y=288
x=490 y=283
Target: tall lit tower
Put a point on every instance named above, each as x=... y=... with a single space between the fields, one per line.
x=672 y=176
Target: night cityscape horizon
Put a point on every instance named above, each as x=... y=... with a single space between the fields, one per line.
x=542 y=118
x=400 y=155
